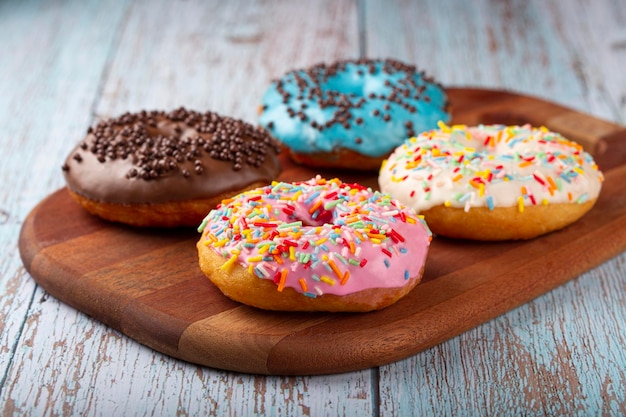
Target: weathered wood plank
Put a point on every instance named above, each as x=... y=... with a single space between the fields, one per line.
x=221 y=56
x=160 y=56
x=558 y=355
x=64 y=63
x=547 y=49
x=49 y=71
x=563 y=353
x=594 y=38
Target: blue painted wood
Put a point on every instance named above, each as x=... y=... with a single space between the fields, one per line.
x=64 y=63
x=141 y=55
x=222 y=55
x=562 y=354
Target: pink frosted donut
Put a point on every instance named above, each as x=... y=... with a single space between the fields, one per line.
x=319 y=245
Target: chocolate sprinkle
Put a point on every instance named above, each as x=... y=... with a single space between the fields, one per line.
x=310 y=82
x=159 y=143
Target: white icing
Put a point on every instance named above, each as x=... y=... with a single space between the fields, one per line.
x=489 y=166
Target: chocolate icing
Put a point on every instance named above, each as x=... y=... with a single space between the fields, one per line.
x=156 y=157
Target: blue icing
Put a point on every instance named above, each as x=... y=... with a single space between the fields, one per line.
x=324 y=94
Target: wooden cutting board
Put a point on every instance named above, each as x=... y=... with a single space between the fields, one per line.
x=147 y=283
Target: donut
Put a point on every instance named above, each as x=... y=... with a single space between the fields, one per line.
x=317 y=245
x=351 y=114
x=167 y=169
x=493 y=182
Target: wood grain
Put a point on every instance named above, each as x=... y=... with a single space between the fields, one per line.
x=223 y=55
x=555 y=355
x=87 y=59
x=146 y=283
x=66 y=62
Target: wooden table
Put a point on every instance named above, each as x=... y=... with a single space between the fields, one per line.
x=65 y=64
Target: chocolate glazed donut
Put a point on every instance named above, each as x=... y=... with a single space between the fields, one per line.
x=154 y=168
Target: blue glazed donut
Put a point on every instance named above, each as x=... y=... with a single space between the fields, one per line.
x=351 y=114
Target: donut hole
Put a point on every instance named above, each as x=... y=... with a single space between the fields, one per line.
x=318 y=217
x=348 y=84
x=319 y=211
x=503 y=118
x=357 y=85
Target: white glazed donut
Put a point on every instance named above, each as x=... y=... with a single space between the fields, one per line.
x=319 y=245
x=492 y=182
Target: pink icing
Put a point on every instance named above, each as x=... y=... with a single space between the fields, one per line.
x=319 y=237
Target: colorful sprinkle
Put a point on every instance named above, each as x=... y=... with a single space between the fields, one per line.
x=489 y=166
x=318 y=236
